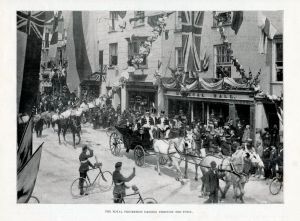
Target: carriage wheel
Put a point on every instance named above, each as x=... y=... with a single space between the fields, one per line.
x=115 y=144
x=163 y=160
x=150 y=201
x=139 y=155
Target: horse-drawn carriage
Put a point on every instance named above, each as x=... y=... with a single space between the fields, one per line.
x=138 y=141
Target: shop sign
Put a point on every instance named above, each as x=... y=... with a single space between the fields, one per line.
x=212 y=95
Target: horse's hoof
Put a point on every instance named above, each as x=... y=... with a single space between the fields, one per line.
x=177 y=179
x=182 y=183
x=159 y=174
x=196 y=178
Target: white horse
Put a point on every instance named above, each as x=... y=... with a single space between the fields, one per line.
x=235 y=171
x=176 y=149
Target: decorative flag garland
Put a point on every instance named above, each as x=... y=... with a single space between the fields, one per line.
x=200 y=82
x=158 y=22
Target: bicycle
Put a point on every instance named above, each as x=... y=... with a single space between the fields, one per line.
x=276 y=183
x=103 y=181
x=139 y=197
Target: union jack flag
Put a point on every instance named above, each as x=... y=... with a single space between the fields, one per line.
x=192 y=22
x=31 y=22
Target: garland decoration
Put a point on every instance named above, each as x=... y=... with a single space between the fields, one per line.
x=250 y=81
x=145 y=47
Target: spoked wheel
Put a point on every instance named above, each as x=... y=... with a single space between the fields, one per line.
x=115 y=143
x=139 y=155
x=163 y=160
x=275 y=186
x=150 y=201
x=33 y=199
x=75 y=188
x=105 y=181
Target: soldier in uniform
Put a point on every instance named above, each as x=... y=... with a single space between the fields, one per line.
x=119 y=180
x=84 y=166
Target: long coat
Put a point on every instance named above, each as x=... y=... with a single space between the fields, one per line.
x=211 y=179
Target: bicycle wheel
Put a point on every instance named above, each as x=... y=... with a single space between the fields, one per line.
x=150 y=201
x=275 y=186
x=75 y=189
x=105 y=181
x=33 y=200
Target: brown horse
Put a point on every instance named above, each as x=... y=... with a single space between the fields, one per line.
x=73 y=123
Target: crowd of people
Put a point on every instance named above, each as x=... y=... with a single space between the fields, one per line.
x=215 y=137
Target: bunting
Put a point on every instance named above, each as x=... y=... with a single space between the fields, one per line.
x=26 y=177
x=24 y=151
x=30 y=28
x=81 y=48
x=267 y=31
x=237 y=20
x=192 y=22
x=204 y=62
x=54 y=38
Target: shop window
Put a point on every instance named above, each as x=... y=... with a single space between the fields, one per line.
x=133 y=49
x=113 y=16
x=141 y=16
x=141 y=101
x=225 y=17
x=278 y=60
x=178 y=24
x=222 y=61
x=113 y=54
x=179 y=57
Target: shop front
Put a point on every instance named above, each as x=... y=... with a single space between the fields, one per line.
x=140 y=96
x=89 y=88
x=203 y=106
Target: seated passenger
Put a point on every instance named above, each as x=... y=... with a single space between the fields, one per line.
x=163 y=125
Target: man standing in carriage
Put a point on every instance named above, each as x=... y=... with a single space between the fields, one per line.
x=147 y=123
x=163 y=125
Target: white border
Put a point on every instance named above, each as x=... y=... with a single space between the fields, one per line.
x=9 y=210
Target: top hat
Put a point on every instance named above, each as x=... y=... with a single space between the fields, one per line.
x=118 y=164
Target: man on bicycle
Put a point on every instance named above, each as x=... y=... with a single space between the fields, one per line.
x=84 y=166
x=119 y=180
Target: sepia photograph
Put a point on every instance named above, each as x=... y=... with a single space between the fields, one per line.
x=149 y=107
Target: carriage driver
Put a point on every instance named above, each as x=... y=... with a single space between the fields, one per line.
x=119 y=180
x=163 y=125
